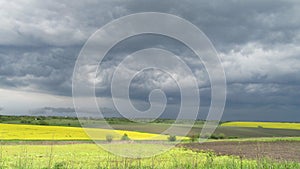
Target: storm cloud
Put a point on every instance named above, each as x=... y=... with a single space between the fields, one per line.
x=258 y=43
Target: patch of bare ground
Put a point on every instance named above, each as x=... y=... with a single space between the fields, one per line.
x=277 y=150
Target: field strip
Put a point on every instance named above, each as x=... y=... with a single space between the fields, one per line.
x=275 y=125
x=35 y=132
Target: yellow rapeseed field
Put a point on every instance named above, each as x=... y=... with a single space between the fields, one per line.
x=278 y=125
x=35 y=132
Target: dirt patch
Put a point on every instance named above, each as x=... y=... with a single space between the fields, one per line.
x=277 y=150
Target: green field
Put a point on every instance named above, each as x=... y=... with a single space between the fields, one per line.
x=91 y=156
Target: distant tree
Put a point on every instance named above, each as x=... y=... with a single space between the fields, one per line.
x=194 y=138
x=218 y=136
x=222 y=136
x=109 y=138
x=172 y=138
x=125 y=137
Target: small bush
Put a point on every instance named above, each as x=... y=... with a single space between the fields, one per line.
x=125 y=137
x=222 y=136
x=194 y=138
x=218 y=136
x=109 y=138
x=172 y=138
x=214 y=136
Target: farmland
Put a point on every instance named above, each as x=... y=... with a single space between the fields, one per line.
x=58 y=142
x=272 y=125
x=91 y=156
x=157 y=126
x=35 y=132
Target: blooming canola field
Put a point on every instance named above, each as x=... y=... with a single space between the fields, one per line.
x=275 y=125
x=35 y=132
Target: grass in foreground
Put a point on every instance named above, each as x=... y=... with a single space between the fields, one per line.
x=276 y=125
x=91 y=156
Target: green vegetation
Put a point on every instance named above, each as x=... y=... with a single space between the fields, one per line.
x=91 y=156
x=41 y=120
x=125 y=137
x=172 y=138
x=218 y=136
x=109 y=138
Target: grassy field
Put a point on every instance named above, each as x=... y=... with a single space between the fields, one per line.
x=35 y=132
x=91 y=156
x=273 y=125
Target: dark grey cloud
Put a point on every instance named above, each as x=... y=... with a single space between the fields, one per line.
x=38 y=69
x=258 y=42
x=64 y=23
x=54 y=23
x=230 y=22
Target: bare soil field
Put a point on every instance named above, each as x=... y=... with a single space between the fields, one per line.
x=277 y=150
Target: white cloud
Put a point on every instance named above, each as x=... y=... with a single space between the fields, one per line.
x=257 y=62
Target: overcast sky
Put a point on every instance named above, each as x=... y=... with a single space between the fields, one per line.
x=258 y=43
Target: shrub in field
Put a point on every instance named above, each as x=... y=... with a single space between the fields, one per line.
x=218 y=136
x=194 y=138
x=222 y=136
x=109 y=138
x=172 y=138
x=125 y=137
x=214 y=136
